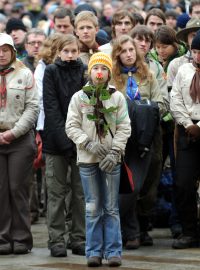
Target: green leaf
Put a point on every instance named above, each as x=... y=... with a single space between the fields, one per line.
x=108 y=110
x=93 y=100
x=92 y=117
x=104 y=95
x=88 y=88
x=106 y=128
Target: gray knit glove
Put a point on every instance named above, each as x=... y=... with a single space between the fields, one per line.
x=97 y=149
x=110 y=161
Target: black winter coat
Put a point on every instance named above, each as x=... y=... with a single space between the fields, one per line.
x=61 y=80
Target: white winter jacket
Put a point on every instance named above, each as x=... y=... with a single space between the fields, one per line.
x=79 y=129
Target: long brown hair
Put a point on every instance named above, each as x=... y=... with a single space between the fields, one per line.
x=142 y=68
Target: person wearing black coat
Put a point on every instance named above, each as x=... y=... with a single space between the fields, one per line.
x=61 y=80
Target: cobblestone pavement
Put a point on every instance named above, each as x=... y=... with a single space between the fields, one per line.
x=159 y=257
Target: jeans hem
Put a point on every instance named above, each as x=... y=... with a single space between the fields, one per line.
x=94 y=254
x=113 y=254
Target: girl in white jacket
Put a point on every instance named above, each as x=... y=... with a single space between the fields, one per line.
x=99 y=125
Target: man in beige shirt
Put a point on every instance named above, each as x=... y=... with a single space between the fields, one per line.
x=185 y=108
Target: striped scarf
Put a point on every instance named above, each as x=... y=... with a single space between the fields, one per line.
x=3 y=92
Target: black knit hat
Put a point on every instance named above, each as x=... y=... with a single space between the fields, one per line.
x=196 y=42
x=15 y=24
x=84 y=7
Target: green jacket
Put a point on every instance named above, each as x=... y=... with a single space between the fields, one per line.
x=154 y=55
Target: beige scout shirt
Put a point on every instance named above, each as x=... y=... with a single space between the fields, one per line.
x=148 y=90
x=156 y=69
x=85 y=57
x=160 y=75
x=183 y=109
x=22 y=106
x=79 y=129
x=173 y=67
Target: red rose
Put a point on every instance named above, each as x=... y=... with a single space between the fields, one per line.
x=99 y=76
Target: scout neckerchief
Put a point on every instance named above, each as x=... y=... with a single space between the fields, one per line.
x=3 y=91
x=132 y=90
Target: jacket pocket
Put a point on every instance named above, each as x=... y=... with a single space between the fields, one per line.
x=16 y=97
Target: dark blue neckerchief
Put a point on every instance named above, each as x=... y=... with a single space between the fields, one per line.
x=132 y=90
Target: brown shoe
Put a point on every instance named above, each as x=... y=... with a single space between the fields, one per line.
x=132 y=244
x=114 y=261
x=94 y=261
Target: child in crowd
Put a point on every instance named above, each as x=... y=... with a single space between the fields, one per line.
x=61 y=80
x=99 y=125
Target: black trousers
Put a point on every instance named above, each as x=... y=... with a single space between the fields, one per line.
x=187 y=174
x=16 y=163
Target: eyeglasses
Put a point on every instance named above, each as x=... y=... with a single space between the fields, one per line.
x=33 y=43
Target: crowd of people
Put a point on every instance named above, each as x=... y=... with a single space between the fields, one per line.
x=90 y=91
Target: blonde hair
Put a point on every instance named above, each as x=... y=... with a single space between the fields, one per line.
x=49 y=47
x=142 y=68
x=86 y=16
x=13 y=54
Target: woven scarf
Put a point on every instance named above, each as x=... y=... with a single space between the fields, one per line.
x=195 y=84
x=3 y=92
x=132 y=90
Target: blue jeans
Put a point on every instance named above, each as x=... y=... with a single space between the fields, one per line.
x=103 y=232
